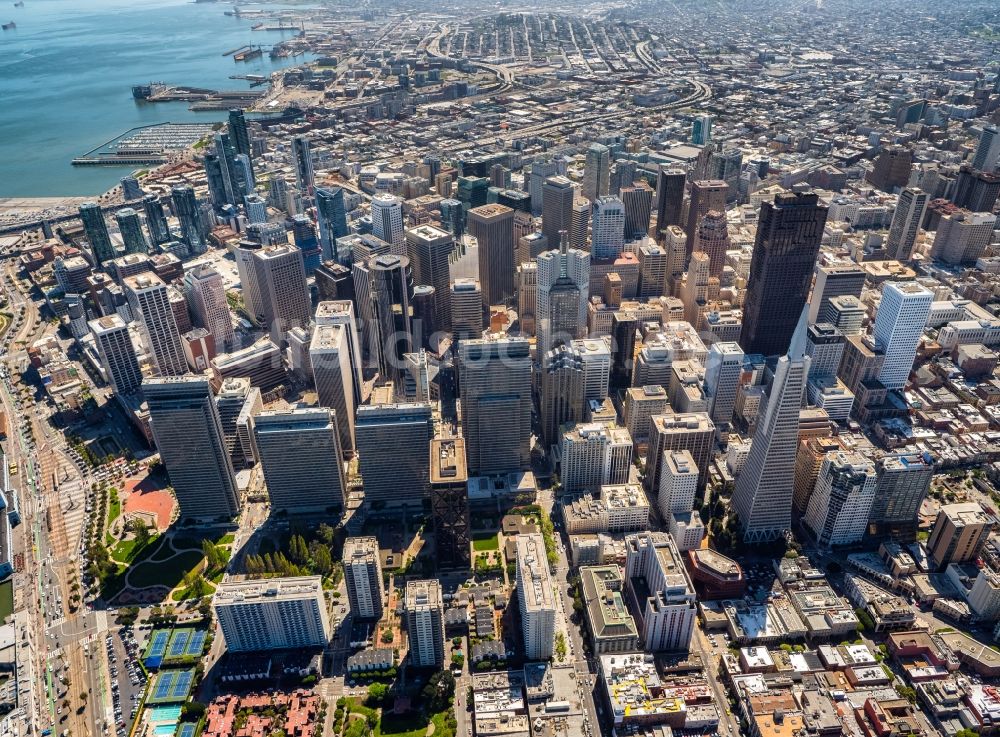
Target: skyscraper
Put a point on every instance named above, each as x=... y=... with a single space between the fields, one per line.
x=579 y=223
x=392 y=296
x=987 y=155
x=130 y=227
x=638 y=201
x=284 y=296
x=392 y=443
x=962 y=236
x=188 y=434
x=837 y=279
x=712 y=239
x=839 y=507
x=535 y=597
x=789 y=233
x=493 y=227
x=706 y=195
x=563 y=282
x=305 y=178
x=185 y=206
x=423 y=608
x=387 y=221
x=430 y=250
x=596 y=172
x=608 y=228
x=903 y=483
x=206 y=297
x=96 y=229
x=363 y=578
x=562 y=392
x=300 y=456
x=899 y=324
x=669 y=198
x=239 y=133
x=976 y=191
x=150 y=304
x=117 y=354
x=906 y=219
x=466 y=309
x=653 y=263
x=331 y=214
x=450 y=502
x=763 y=495
x=276 y=614
x=130 y=188
x=691 y=431
x=891 y=169
x=329 y=356
x=701 y=130
x=156 y=219
x=495 y=377
x=540 y=171
x=341 y=312
x=557 y=207
x=959 y=534
x=660 y=590
x=723 y=370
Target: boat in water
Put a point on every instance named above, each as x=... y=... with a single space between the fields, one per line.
x=9 y=26
x=19 y=4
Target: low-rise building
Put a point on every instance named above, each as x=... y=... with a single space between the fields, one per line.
x=610 y=626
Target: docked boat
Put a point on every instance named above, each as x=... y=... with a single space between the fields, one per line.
x=9 y=26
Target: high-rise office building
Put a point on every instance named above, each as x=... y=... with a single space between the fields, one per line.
x=284 y=296
x=976 y=191
x=962 y=236
x=130 y=227
x=825 y=348
x=641 y=403
x=334 y=281
x=493 y=227
x=453 y=217
x=331 y=215
x=238 y=403
x=638 y=202
x=701 y=130
x=723 y=369
x=450 y=502
x=430 y=250
x=712 y=239
x=363 y=578
x=387 y=221
x=130 y=188
x=466 y=309
x=188 y=434
x=562 y=391
x=959 y=534
x=423 y=608
x=660 y=590
x=706 y=196
x=239 y=133
x=156 y=219
x=669 y=198
x=234 y=180
x=117 y=354
x=392 y=442
x=341 y=312
x=540 y=171
x=653 y=262
x=97 y=233
x=789 y=233
x=987 y=155
x=150 y=303
x=594 y=455
x=899 y=324
x=243 y=253
x=185 y=207
x=837 y=279
x=256 y=209
x=276 y=614
x=579 y=223
x=391 y=311
x=536 y=597
x=596 y=171
x=839 y=506
x=763 y=495
x=562 y=285
x=472 y=191
x=305 y=178
x=595 y=356
x=300 y=455
x=558 y=194
x=678 y=483
x=495 y=379
x=903 y=483
x=891 y=169
x=608 y=228
x=334 y=378
x=623 y=175
x=906 y=220
x=691 y=431
x=206 y=297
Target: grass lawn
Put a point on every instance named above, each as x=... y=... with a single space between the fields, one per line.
x=406 y=725
x=482 y=543
x=126 y=551
x=168 y=573
x=188 y=594
x=6 y=599
x=441 y=726
x=114 y=507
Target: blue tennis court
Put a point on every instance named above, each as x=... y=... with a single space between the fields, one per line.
x=156 y=648
x=186 y=730
x=171 y=686
x=178 y=643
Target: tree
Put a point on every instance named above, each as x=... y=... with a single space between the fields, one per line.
x=908 y=693
x=323 y=561
x=325 y=533
x=142 y=534
x=377 y=693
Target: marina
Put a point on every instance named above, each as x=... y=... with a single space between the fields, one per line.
x=147 y=145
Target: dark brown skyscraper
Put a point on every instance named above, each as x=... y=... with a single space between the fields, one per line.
x=493 y=227
x=450 y=502
x=669 y=197
x=789 y=232
x=709 y=194
x=892 y=168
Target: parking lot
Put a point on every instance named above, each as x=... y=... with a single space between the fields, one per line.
x=127 y=678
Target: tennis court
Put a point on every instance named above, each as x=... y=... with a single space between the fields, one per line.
x=185 y=643
x=171 y=686
x=156 y=648
x=186 y=730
